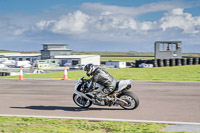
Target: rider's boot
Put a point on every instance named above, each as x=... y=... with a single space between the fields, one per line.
x=104 y=98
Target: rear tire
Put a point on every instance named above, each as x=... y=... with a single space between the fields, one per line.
x=131 y=99
x=81 y=101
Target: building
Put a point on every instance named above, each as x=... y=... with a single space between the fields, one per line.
x=4 y=55
x=21 y=57
x=167 y=50
x=60 y=52
x=47 y=64
x=116 y=64
x=53 y=49
x=53 y=55
x=79 y=59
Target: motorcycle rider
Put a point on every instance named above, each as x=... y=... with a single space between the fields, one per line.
x=102 y=77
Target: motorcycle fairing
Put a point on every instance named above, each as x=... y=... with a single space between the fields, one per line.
x=123 y=84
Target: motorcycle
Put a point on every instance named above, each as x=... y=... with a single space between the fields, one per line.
x=120 y=96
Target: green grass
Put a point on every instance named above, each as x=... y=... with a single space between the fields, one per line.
x=128 y=54
x=22 y=52
x=125 y=59
x=105 y=54
x=177 y=73
x=191 y=54
x=38 y=125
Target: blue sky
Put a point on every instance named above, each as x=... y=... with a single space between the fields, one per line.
x=99 y=25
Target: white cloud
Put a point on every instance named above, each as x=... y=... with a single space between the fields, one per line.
x=18 y=32
x=44 y=24
x=73 y=23
x=79 y=22
x=122 y=28
x=10 y=29
x=112 y=24
x=184 y=21
x=148 y=25
x=16 y=25
x=133 y=11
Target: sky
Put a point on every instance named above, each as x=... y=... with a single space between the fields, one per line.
x=99 y=25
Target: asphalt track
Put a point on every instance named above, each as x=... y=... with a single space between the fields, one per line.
x=159 y=101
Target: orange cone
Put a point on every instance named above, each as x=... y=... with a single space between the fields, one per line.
x=65 y=73
x=21 y=77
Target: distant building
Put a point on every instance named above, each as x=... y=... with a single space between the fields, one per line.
x=116 y=64
x=167 y=49
x=21 y=57
x=79 y=59
x=53 y=55
x=46 y=64
x=53 y=49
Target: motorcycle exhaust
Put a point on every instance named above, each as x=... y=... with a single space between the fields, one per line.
x=121 y=102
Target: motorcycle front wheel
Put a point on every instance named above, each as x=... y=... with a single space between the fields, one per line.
x=131 y=99
x=81 y=101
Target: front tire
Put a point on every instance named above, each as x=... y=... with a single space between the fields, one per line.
x=81 y=101
x=131 y=99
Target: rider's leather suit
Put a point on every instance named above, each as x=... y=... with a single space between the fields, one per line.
x=102 y=77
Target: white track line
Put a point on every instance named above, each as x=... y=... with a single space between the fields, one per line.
x=106 y=119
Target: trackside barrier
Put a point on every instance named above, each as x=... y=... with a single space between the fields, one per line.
x=155 y=63
x=178 y=62
x=170 y=62
x=195 y=61
x=166 y=62
x=21 y=77
x=184 y=61
x=190 y=61
x=160 y=63
x=199 y=60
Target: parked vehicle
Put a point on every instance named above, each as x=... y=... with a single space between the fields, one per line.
x=9 y=63
x=22 y=64
x=38 y=71
x=144 y=65
x=3 y=59
x=121 y=96
x=3 y=66
x=43 y=66
x=78 y=66
x=67 y=64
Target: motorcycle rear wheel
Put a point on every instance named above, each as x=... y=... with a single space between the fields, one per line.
x=131 y=99
x=81 y=101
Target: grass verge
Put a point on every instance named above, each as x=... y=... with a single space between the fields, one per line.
x=125 y=59
x=40 y=125
x=177 y=73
